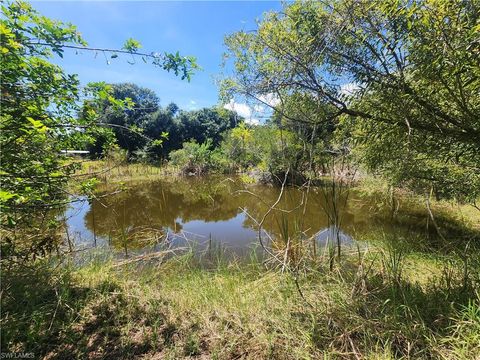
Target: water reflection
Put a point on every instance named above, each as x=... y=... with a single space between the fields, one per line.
x=203 y=210
x=331 y=233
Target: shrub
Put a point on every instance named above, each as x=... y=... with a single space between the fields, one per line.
x=198 y=159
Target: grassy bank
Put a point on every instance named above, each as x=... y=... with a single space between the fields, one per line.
x=402 y=297
x=118 y=171
x=373 y=306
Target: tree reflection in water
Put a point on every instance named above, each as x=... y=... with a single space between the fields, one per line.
x=176 y=210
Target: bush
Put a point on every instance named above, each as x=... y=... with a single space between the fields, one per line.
x=198 y=159
x=116 y=155
x=267 y=149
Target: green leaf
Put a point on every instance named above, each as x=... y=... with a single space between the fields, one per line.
x=6 y=195
x=131 y=45
x=37 y=124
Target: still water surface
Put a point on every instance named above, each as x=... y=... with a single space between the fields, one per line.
x=220 y=210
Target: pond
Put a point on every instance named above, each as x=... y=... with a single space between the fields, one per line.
x=220 y=211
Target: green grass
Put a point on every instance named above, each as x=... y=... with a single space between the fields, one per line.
x=403 y=298
x=114 y=172
x=183 y=309
x=448 y=213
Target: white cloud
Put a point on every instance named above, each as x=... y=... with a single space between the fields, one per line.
x=349 y=89
x=270 y=99
x=243 y=110
x=251 y=113
x=192 y=105
x=259 y=108
x=252 y=121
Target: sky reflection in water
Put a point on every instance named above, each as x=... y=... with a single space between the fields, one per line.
x=206 y=210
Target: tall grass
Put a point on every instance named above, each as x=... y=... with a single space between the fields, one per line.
x=396 y=299
x=372 y=306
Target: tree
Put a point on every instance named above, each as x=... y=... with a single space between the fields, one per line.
x=144 y=121
x=39 y=103
x=207 y=123
x=128 y=123
x=172 y=109
x=160 y=123
x=408 y=69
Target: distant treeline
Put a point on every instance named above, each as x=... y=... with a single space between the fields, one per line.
x=147 y=129
x=209 y=139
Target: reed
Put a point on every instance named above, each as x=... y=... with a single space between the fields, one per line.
x=371 y=306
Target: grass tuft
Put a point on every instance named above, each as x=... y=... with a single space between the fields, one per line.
x=183 y=309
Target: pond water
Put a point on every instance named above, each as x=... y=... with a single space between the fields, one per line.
x=216 y=210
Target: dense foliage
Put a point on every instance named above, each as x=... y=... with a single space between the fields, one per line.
x=395 y=83
x=392 y=84
x=39 y=103
x=403 y=78
x=148 y=131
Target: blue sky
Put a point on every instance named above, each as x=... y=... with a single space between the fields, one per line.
x=193 y=28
